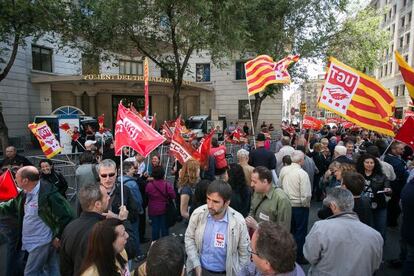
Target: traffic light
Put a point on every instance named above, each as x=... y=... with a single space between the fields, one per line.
x=302 y=108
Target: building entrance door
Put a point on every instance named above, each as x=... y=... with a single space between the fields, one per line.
x=137 y=101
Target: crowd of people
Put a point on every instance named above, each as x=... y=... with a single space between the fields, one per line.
x=244 y=218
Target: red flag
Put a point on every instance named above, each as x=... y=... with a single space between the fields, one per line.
x=182 y=150
x=65 y=127
x=310 y=122
x=101 y=123
x=167 y=132
x=8 y=188
x=347 y=125
x=406 y=133
x=154 y=121
x=132 y=131
x=204 y=148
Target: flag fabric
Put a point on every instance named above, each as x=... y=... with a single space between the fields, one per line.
x=407 y=73
x=154 y=121
x=146 y=75
x=405 y=133
x=47 y=140
x=180 y=149
x=168 y=134
x=132 y=131
x=204 y=148
x=262 y=71
x=8 y=189
x=347 y=125
x=310 y=122
x=101 y=120
x=357 y=97
x=409 y=113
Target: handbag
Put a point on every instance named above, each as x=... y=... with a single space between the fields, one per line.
x=171 y=209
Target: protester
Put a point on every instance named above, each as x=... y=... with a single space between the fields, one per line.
x=309 y=165
x=216 y=239
x=261 y=156
x=48 y=173
x=130 y=182
x=268 y=203
x=165 y=257
x=342 y=235
x=246 y=128
x=189 y=176
x=296 y=184
x=273 y=252
x=106 y=253
x=243 y=161
x=240 y=197
x=43 y=214
x=159 y=191
x=407 y=228
x=219 y=153
x=285 y=150
x=387 y=169
x=13 y=159
x=376 y=187
x=200 y=194
x=339 y=155
x=322 y=163
x=399 y=166
x=155 y=162
x=94 y=201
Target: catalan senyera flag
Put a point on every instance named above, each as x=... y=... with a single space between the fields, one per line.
x=407 y=73
x=146 y=75
x=262 y=71
x=357 y=97
x=47 y=140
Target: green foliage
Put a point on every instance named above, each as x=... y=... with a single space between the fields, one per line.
x=360 y=42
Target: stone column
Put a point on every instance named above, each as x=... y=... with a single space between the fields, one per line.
x=78 y=98
x=92 y=102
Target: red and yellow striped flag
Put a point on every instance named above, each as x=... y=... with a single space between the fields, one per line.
x=407 y=73
x=262 y=71
x=357 y=97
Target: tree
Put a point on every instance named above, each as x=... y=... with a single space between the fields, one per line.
x=360 y=42
x=278 y=28
x=166 y=31
x=20 y=19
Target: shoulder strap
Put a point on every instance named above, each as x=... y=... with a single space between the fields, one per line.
x=166 y=194
x=258 y=205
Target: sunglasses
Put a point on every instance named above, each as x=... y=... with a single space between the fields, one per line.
x=106 y=175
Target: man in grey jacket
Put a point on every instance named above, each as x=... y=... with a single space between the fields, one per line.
x=216 y=239
x=341 y=244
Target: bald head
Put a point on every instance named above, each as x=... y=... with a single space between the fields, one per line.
x=27 y=178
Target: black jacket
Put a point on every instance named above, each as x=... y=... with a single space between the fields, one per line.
x=377 y=183
x=262 y=157
x=74 y=242
x=129 y=202
x=58 y=180
x=407 y=203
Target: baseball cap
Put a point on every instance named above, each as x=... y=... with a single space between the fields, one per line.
x=88 y=143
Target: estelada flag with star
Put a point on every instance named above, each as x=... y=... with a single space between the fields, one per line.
x=8 y=188
x=406 y=133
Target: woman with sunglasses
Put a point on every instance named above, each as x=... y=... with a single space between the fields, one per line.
x=106 y=253
x=48 y=173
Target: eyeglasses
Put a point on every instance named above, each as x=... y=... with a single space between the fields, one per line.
x=106 y=175
x=252 y=252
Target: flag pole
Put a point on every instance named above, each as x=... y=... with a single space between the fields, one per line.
x=251 y=120
x=385 y=151
x=122 y=177
x=166 y=167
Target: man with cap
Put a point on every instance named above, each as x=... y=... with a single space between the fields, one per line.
x=261 y=156
x=90 y=145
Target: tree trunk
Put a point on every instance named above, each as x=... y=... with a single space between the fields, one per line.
x=176 y=101
x=4 y=134
x=256 y=110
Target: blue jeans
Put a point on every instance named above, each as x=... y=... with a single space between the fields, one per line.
x=135 y=229
x=159 y=224
x=380 y=221
x=43 y=260
x=299 y=227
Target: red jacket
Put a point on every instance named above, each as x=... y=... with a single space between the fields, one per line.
x=219 y=154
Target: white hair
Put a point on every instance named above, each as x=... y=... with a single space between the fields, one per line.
x=341 y=150
x=342 y=198
x=297 y=156
x=242 y=153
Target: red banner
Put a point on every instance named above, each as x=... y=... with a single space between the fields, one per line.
x=182 y=150
x=132 y=131
x=204 y=148
x=406 y=133
x=310 y=122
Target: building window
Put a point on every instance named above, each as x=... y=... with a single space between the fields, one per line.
x=404 y=3
x=240 y=70
x=41 y=58
x=401 y=41
x=164 y=72
x=392 y=29
x=402 y=90
x=386 y=69
x=409 y=18
x=398 y=112
x=396 y=88
x=402 y=21
x=90 y=64
x=203 y=72
x=406 y=58
x=394 y=9
x=244 y=109
x=392 y=48
x=407 y=39
x=129 y=67
x=390 y=67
